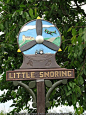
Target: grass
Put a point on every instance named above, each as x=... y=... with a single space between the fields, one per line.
x=55 y=41
x=46 y=38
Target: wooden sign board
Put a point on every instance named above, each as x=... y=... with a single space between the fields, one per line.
x=34 y=74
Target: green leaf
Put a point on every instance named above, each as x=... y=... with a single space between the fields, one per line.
x=79 y=39
x=31 y=13
x=68 y=93
x=69 y=88
x=66 y=62
x=73 y=98
x=35 y=12
x=80 y=32
x=18 y=10
x=21 y=12
x=82 y=88
x=74 y=32
x=84 y=37
x=13 y=14
x=81 y=47
x=63 y=38
x=75 y=55
x=54 y=102
x=13 y=94
x=69 y=55
x=78 y=89
x=66 y=48
x=80 y=80
x=8 y=1
x=6 y=24
x=84 y=30
x=26 y=15
x=70 y=84
x=81 y=110
x=84 y=71
x=69 y=48
x=22 y=5
x=1 y=27
x=69 y=29
x=73 y=40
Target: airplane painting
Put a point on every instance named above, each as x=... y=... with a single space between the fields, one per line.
x=49 y=32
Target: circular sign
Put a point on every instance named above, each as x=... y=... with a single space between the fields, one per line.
x=39 y=37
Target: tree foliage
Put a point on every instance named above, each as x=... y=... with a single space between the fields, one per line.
x=71 y=21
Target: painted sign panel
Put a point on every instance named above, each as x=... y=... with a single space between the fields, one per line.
x=35 y=74
x=28 y=33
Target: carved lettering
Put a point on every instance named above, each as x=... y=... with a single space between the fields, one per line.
x=14 y=75
x=23 y=74
x=64 y=73
x=56 y=73
x=60 y=73
x=41 y=74
x=51 y=74
x=69 y=73
x=32 y=75
x=18 y=74
x=46 y=74
x=10 y=75
x=27 y=75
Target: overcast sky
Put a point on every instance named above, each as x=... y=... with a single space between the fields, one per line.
x=6 y=106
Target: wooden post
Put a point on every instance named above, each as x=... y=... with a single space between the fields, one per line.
x=40 y=97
